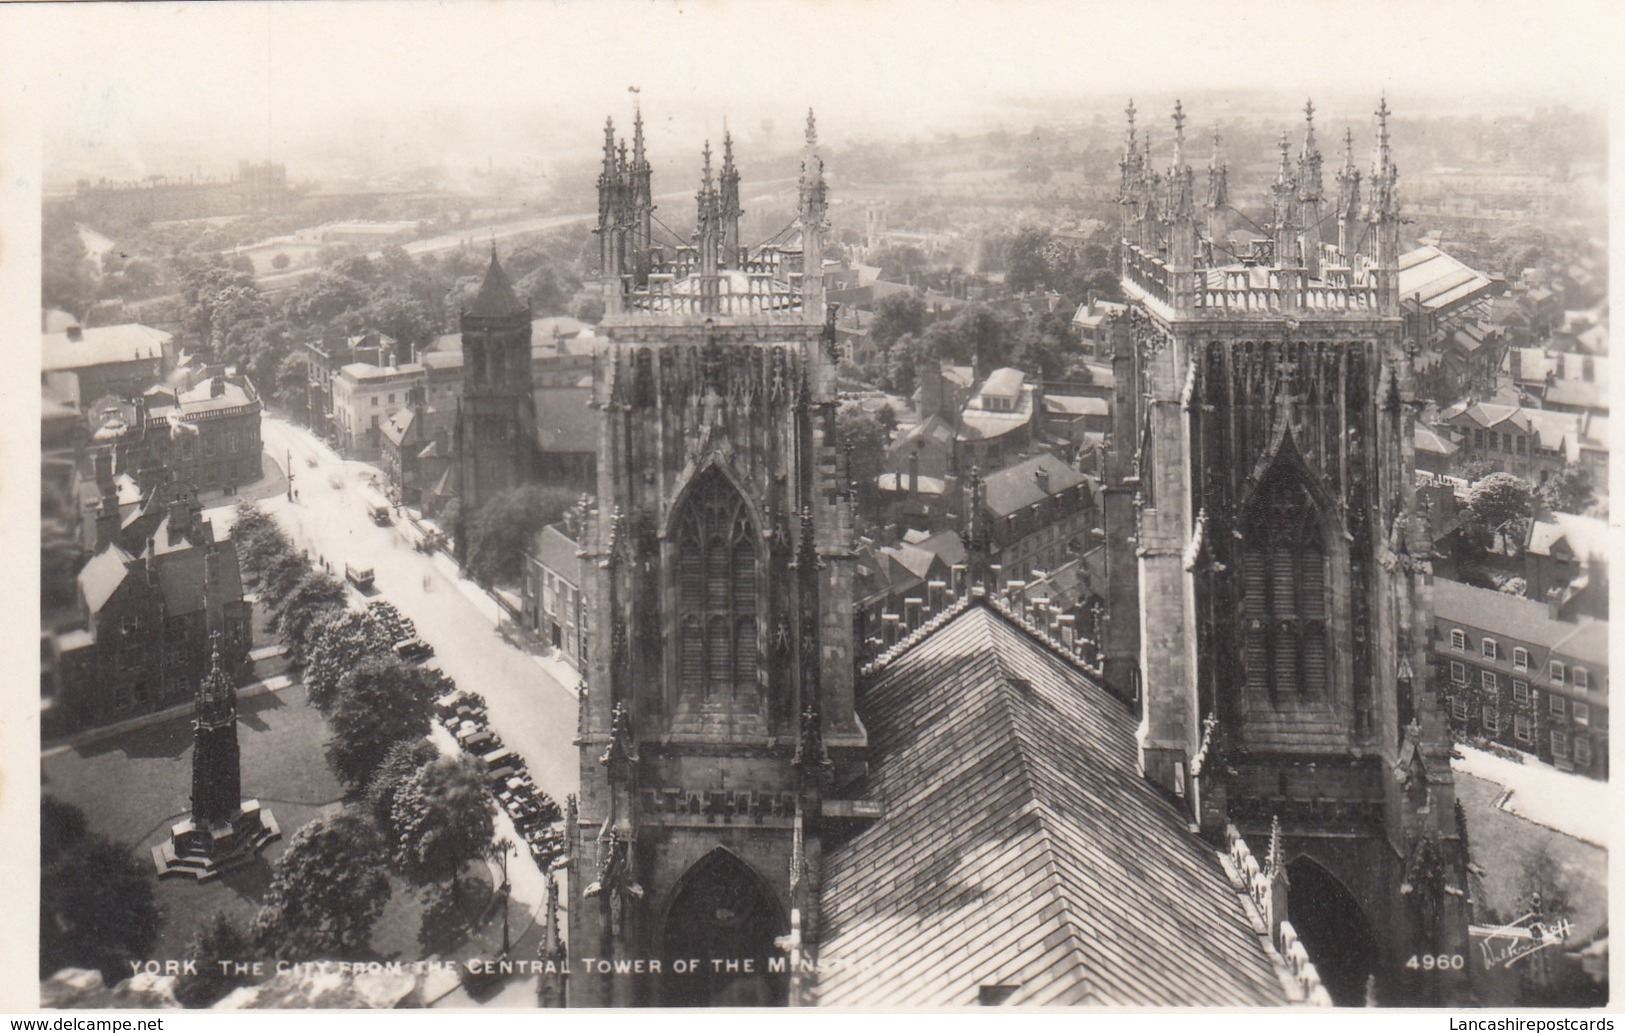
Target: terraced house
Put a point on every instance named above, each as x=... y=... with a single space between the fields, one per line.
x=1516 y=675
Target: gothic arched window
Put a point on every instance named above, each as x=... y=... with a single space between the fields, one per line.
x=716 y=594
x=1285 y=608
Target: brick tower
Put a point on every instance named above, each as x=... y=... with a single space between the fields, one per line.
x=1263 y=474
x=717 y=722
x=496 y=419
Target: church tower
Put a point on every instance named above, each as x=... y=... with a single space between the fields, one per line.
x=1265 y=418
x=717 y=723
x=496 y=418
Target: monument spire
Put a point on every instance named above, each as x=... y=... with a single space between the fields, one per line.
x=223 y=830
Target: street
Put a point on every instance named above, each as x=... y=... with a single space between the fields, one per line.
x=529 y=709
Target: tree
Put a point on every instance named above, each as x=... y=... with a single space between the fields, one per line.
x=220 y=940
x=251 y=526
x=587 y=306
x=903 y=362
x=67 y=280
x=442 y=925
x=1026 y=263
x=1475 y=470
x=291 y=387
x=896 y=316
x=96 y=903
x=1570 y=490
x=380 y=703
x=311 y=600
x=886 y=416
x=401 y=762
x=326 y=892
x=505 y=525
x=394 y=311
x=338 y=644
x=441 y=820
x=1501 y=499
x=1047 y=343
x=280 y=576
x=981 y=337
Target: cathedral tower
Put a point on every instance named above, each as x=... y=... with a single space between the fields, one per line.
x=1265 y=419
x=717 y=725
x=496 y=419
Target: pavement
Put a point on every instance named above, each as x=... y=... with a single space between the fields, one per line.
x=529 y=704
x=1571 y=804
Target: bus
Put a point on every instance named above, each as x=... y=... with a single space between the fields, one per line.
x=377 y=505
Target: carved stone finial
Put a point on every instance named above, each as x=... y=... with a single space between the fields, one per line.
x=622 y=747
x=1275 y=862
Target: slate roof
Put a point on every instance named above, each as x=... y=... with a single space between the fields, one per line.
x=946 y=545
x=100 y=345
x=1585 y=536
x=1441 y=281
x=180 y=577
x=496 y=298
x=102 y=576
x=1588 y=644
x=934 y=429
x=439 y=360
x=1016 y=487
x=1077 y=405
x=1430 y=440
x=1581 y=394
x=901 y=482
x=556 y=551
x=1021 y=846
x=915 y=560
x=1499 y=613
x=1005 y=382
x=396 y=428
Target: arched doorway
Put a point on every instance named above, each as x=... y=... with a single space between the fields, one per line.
x=724 y=918
x=1334 y=931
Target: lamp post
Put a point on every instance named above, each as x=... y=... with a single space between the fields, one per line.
x=289 y=468
x=500 y=849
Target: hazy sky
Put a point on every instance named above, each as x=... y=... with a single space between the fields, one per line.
x=251 y=80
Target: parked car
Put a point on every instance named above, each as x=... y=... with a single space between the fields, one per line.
x=413 y=649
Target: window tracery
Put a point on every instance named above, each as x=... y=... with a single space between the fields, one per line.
x=716 y=594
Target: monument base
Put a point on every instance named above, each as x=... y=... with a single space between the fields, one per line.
x=203 y=852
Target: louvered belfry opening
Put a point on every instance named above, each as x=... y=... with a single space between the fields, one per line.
x=1285 y=610
x=717 y=601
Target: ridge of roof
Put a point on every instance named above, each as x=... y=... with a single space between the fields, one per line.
x=1015 y=817
x=977 y=595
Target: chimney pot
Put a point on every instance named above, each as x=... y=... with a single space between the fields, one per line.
x=75 y=333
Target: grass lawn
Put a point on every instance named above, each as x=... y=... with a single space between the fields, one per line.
x=1502 y=843
x=132 y=787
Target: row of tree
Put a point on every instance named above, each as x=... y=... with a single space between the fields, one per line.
x=426 y=816
x=906 y=338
